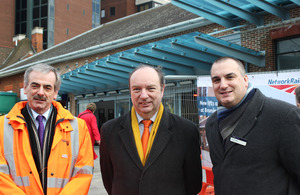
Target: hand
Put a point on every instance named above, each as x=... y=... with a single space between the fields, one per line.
x=98 y=142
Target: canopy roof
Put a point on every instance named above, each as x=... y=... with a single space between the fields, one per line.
x=190 y=54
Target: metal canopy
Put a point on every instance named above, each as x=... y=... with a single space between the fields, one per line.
x=181 y=55
x=230 y=13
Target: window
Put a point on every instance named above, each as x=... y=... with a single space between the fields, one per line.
x=83 y=12
x=144 y=6
x=68 y=7
x=288 y=53
x=112 y=11
x=96 y=13
x=67 y=31
x=103 y=13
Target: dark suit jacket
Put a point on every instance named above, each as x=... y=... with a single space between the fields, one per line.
x=270 y=161
x=173 y=166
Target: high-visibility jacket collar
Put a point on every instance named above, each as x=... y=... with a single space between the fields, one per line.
x=17 y=120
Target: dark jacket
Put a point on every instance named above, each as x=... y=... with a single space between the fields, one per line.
x=270 y=161
x=173 y=165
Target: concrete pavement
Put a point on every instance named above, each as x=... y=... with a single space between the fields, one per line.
x=97 y=187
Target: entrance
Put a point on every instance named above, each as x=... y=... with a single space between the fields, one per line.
x=105 y=111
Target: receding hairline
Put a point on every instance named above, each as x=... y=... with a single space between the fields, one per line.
x=157 y=69
x=237 y=62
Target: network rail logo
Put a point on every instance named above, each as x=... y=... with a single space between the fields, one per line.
x=287 y=85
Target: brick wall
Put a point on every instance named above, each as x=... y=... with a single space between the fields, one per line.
x=257 y=38
x=7 y=23
x=14 y=83
x=122 y=8
x=74 y=17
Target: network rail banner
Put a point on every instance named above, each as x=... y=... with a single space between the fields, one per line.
x=279 y=85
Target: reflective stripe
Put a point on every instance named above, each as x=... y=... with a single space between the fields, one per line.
x=204 y=176
x=4 y=169
x=54 y=182
x=74 y=146
x=83 y=170
x=75 y=151
x=8 y=146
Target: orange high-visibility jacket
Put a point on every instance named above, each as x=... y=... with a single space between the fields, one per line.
x=70 y=163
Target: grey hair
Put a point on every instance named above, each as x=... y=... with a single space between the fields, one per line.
x=43 y=68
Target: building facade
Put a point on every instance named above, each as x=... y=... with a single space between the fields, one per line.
x=61 y=20
x=115 y=9
x=97 y=69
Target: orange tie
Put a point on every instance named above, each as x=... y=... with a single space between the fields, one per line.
x=145 y=135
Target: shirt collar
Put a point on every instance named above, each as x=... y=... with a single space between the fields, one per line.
x=139 y=118
x=34 y=114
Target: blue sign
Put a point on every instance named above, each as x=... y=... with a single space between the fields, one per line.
x=206 y=105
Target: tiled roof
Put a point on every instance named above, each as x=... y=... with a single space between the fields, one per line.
x=18 y=53
x=4 y=53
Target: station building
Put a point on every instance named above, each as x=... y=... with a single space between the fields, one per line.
x=184 y=37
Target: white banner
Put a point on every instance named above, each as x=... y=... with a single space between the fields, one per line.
x=279 y=85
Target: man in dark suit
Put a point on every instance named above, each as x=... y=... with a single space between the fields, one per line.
x=254 y=140
x=168 y=163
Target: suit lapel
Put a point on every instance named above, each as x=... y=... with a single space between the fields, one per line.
x=127 y=138
x=248 y=118
x=161 y=140
x=216 y=142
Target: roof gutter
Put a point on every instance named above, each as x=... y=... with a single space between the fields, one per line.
x=171 y=29
x=181 y=77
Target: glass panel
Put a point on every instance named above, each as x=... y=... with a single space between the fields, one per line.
x=45 y=36
x=44 y=1
x=24 y=4
x=51 y=39
x=23 y=15
x=17 y=16
x=36 y=23
x=36 y=12
x=51 y=25
x=97 y=19
x=288 y=45
x=17 y=30
x=44 y=11
x=44 y=23
x=51 y=12
x=98 y=9
x=23 y=28
x=18 y=4
x=103 y=13
x=288 y=54
x=36 y=3
x=289 y=61
x=122 y=107
x=112 y=11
